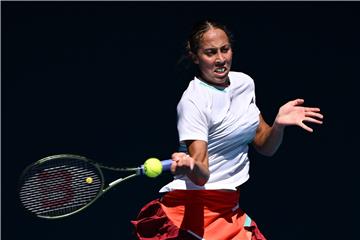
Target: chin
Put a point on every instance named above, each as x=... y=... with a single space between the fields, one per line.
x=222 y=79
x=217 y=80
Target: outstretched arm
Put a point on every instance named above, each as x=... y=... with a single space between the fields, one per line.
x=268 y=139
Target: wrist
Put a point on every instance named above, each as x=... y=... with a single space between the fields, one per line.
x=199 y=175
x=278 y=127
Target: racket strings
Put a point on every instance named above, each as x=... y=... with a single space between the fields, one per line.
x=60 y=187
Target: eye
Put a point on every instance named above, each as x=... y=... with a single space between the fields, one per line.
x=225 y=49
x=210 y=52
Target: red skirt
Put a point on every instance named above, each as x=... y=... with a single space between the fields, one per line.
x=196 y=214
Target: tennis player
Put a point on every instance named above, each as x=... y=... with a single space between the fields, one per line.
x=217 y=119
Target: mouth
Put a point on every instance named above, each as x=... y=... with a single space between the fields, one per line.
x=220 y=70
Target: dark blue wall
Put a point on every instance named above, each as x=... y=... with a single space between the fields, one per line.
x=100 y=79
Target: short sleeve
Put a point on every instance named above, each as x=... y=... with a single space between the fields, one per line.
x=192 y=121
x=253 y=100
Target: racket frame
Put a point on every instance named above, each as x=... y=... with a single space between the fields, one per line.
x=99 y=168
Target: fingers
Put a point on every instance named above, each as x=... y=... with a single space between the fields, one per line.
x=312 y=112
x=301 y=124
x=177 y=156
x=298 y=101
x=311 y=109
x=313 y=120
x=182 y=163
x=314 y=115
x=292 y=113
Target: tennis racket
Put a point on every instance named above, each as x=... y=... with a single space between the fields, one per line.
x=61 y=185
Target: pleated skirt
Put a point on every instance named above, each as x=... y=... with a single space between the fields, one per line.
x=196 y=214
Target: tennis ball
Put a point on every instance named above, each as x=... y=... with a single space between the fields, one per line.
x=152 y=167
x=89 y=180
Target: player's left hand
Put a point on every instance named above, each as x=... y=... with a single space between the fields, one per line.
x=292 y=113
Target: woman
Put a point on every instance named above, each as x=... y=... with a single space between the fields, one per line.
x=217 y=119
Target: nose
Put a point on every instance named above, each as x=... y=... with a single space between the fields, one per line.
x=219 y=58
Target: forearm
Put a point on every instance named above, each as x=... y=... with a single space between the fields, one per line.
x=200 y=173
x=268 y=139
x=271 y=140
x=198 y=151
x=195 y=164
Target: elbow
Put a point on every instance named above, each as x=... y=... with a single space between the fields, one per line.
x=266 y=152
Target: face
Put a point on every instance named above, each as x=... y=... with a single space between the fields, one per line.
x=214 y=57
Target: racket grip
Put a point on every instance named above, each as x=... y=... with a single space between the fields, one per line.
x=166 y=164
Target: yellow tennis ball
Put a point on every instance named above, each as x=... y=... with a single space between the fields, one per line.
x=89 y=180
x=152 y=167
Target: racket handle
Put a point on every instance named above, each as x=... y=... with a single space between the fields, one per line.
x=166 y=165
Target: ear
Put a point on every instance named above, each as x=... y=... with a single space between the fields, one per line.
x=194 y=58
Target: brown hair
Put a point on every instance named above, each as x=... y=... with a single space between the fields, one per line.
x=199 y=29
x=192 y=46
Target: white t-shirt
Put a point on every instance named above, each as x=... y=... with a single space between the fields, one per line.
x=227 y=119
